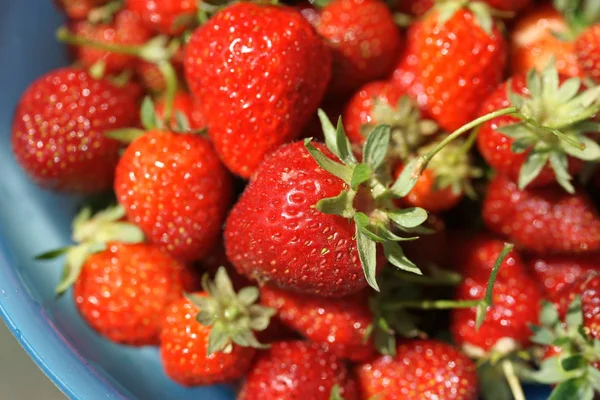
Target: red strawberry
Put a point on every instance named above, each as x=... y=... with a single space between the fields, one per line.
x=186 y=106
x=341 y=324
x=516 y=304
x=421 y=369
x=508 y=5
x=79 y=9
x=174 y=187
x=259 y=87
x=545 y=220
x=406 y=72
x=126 y=29
x=58 y=130
x=297 y=370
x=274 y=226
x=556 y=272
x=170 y=17
x=587 y=49
x=208 y=337
x=364 y=40
x=529 y=153
x=385 y=103
x=123 y=292
x=458 y=63
x=533 y=42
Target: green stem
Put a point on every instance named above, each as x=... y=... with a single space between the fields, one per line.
x=105 y=13
x=170 y=76
x=431 y=304
x=65 y=36
x=448 y=280
x=513 y=380
x=424 y=160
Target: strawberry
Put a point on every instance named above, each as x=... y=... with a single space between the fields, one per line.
x=508 y=5
x=208 y=336
x=123 y=292
x=364 y=41
x=300 y=201
x=150 y=75
x=258 y=87
x=406 y=71
x=79 y=9
x=190 y=116
x=385 y=103
x=413 y=7
x=74 y=155
x=533 y=42
x=297 y=370
x=169 y=17
x=420 y=369
x=460 y=60
x=543 y=145
x=556 y=272
x=570 y=331
x=545 y=220
x=446 y=179
x=516 y=304
x=341 y=324
x=174 y=187
x=126 y=29
x=587 y=49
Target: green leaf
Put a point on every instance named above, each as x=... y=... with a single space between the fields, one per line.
x=569 y=89
x=543 y=336
x=386 y=234
x=590 y=153
x=576 y=388
x=548 y=315
x=125 y=232
x=532 y=167
x=376 y=146
x=384 y=338
x=217 y=339
x=362 y=173
x=246 y=338
x=550 y=79
x=534 y=83
x=550 y=372
x=407 y=179
x=408 y=217
x=260 y=316
x=336 y=139
x=224 y=289
x=515 y=99
x=341 y=171
x=559 y=164
x=342 y=204
x=248 y=295
x=489 y=292
x=367 y=251
x=515 y=131
x=520 y=145
x=52 y=254
x=395 y=255
x=343 y=144
x=76 y=257
x=125 y=135
x=447 y=10
x=574 y=317
x=483 y=15
x=148 y=114
x=574 y=362
x=183 y=125
x=335 y=393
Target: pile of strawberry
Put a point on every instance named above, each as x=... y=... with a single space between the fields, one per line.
x=254 y=239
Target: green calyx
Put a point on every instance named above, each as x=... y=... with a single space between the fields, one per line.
x=92 y=233
x=482 y=11
x=554 y=120
x=104 y=14
x=233 y=317
x=408 y=129
x=571 y=371
x=579 y=14
x=383 y=223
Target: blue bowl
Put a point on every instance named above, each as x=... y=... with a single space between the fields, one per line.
x=80 y=363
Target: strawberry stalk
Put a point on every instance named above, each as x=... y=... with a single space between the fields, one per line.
x=105 y=12
x=512 y=379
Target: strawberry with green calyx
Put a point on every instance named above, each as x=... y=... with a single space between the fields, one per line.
x=546 y=142
x=384 y=103
x=208 y=337
x=168 y=17
x=573 y=360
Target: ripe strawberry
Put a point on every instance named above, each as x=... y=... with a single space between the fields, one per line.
x=587 y=49
x=364 y=41
x=169 y=17
x=274 y=225
x=442 y=185
x=341 y=324
x=186 y=107
x=208 y=336
x=516 y=304
x=528 y=152
x=123 y=292
x=421 y=369
x=385 y=103
x=297 y=370
x=79 y=9
x=459 y=63
x=58 y=130
x=533 y=42
x=508 y=5
x=257 y=88
x=175 y=189
x=126 y=29
x=406 y=72
x=545 y=220
x=556 y=272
